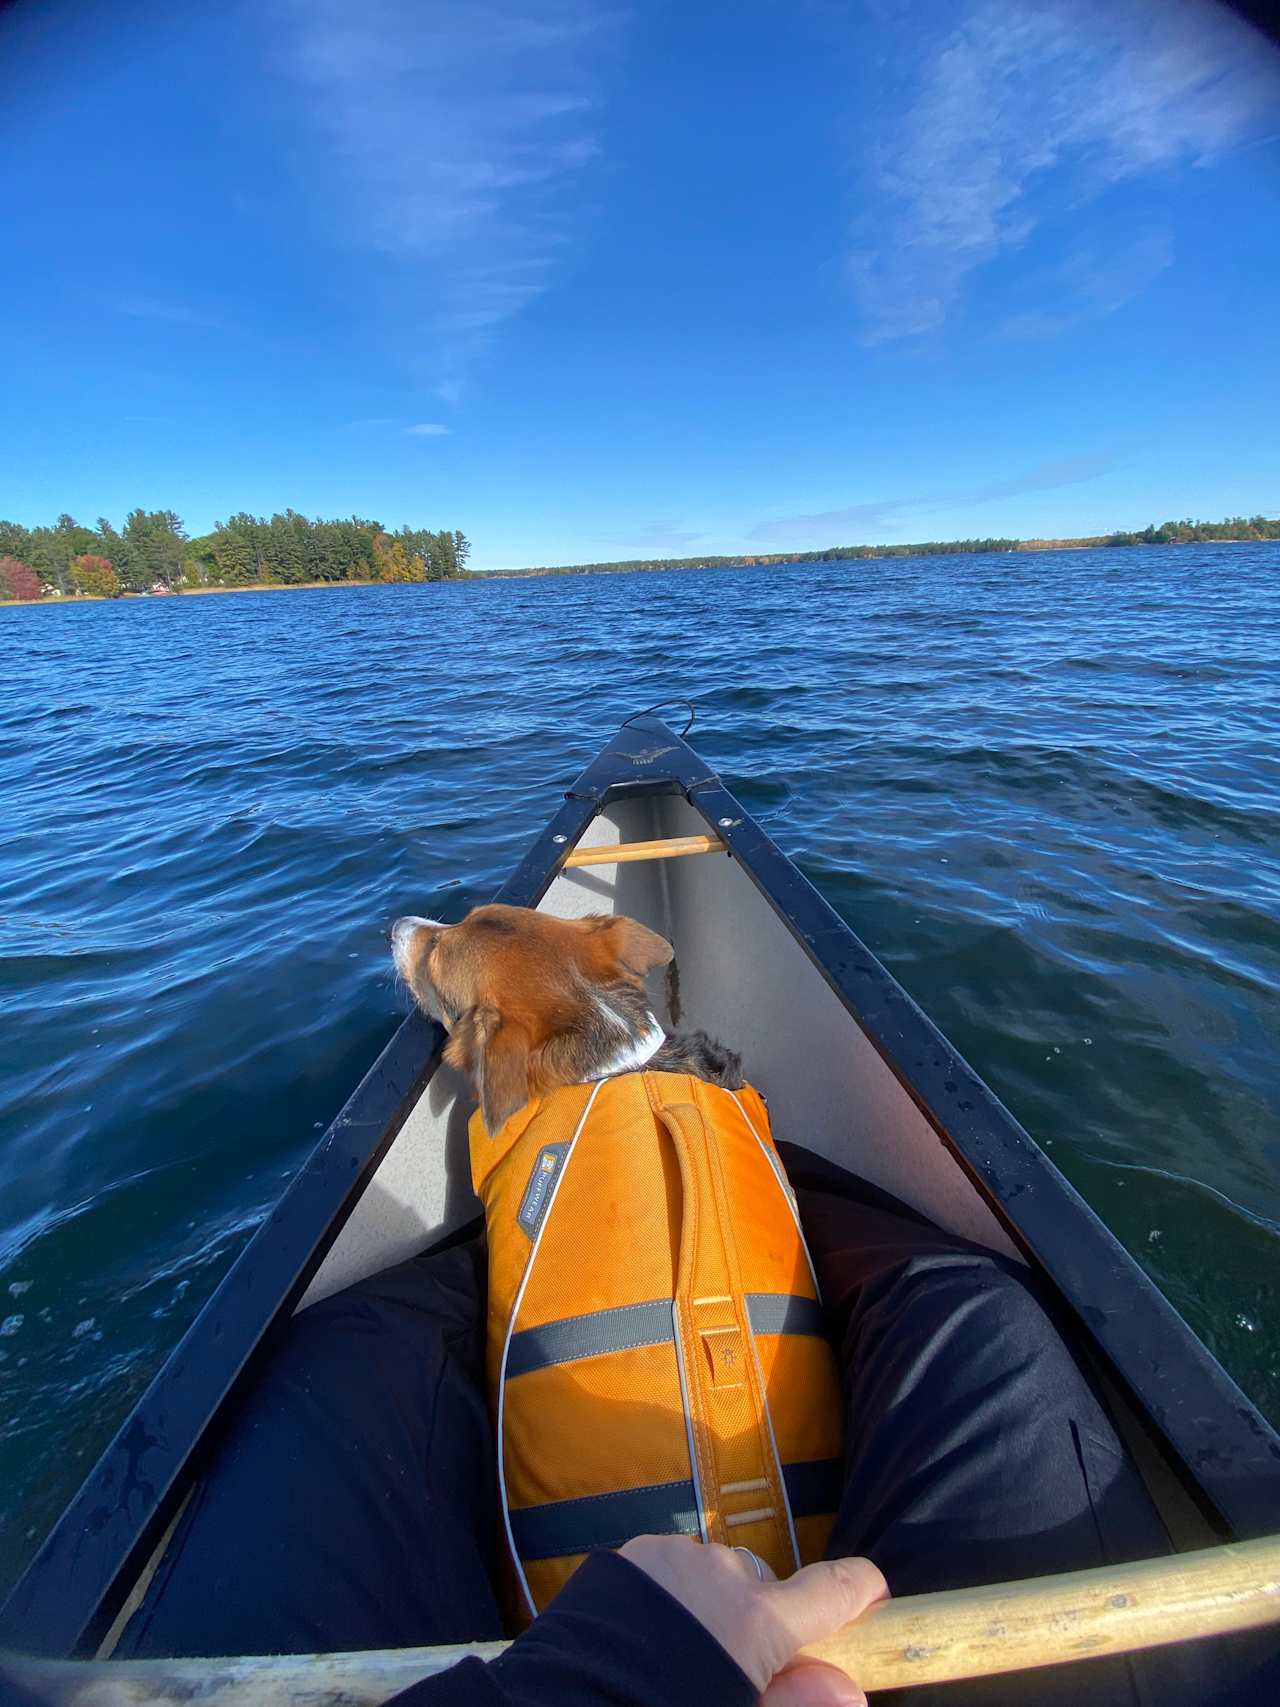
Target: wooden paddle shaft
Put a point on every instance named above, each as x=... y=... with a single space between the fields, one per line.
x=1115 y=1609
x=927 y=1638
x=619 y=853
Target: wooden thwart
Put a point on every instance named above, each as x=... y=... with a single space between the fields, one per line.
x=925 y=1638
x=619 y=853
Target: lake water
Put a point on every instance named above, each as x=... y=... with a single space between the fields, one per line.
x=1044 y=788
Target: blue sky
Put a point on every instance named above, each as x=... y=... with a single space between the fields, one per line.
x=608 y=278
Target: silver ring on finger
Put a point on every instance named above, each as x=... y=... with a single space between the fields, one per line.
x=755 y=1559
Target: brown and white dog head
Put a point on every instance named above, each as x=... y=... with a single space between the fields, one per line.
x=532 y=1002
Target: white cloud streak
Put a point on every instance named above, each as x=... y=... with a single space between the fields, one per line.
x=427 y=430
x=1016 y=109
x=172 y=314
x=827 y=526
x=659 y=536
x=455 y=141
x=830 y=526
x=1093 y=281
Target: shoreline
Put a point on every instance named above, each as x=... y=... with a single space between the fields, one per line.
x=201 y=592
x=639 y=567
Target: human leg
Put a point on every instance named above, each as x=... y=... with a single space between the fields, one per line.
x=977 y=1450
x=351 y=1503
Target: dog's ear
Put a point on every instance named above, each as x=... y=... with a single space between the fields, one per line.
x=496 y=1055
x=634 y=946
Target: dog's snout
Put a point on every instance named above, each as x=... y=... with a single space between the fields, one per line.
x=402 y=934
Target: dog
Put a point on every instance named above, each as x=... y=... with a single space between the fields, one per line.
x=533 y=1002
x=655 y=1355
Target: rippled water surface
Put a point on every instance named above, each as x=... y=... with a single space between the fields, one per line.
x=1045 y=789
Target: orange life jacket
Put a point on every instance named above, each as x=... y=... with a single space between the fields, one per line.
x=656 y=1358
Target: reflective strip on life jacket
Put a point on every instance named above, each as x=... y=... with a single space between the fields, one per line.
x=620 y=1328
x=566 y=1527
x=784 y=1313
x=625 y=1326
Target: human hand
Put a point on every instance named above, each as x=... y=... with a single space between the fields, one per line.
x=763 y=1624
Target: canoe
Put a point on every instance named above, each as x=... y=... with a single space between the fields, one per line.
x=851 y=1068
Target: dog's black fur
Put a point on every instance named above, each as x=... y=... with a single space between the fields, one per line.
x=694 y=1052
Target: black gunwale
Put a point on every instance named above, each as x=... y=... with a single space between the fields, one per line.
x=1224 y=1451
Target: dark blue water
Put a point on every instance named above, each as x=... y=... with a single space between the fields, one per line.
x=1046 y=789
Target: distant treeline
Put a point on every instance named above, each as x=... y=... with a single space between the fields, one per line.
x=829 y=554
x=1188 y=532
x=152 y=552
x=1168 y=533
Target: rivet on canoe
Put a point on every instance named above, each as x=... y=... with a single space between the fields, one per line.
x=559 y=840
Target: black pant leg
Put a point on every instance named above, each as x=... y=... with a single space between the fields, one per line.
x=977 y=1450
x=970 y=1425
x=352 y=1503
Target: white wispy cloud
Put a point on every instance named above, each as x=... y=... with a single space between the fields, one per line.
x=172 y=313
x=397 y=423
x=454 y=140
x=829 y=525
x=665 y=535
x=1094 y=280
x=1016 y=108
x=1044 y=477
x=832 y=526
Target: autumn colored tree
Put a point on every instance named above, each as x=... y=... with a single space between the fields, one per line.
x=54 y=549
x=94 y=575
x=18 y=580
x=247 y=550
x=392 y=562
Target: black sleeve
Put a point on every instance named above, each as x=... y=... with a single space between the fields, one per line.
x=610 y=1636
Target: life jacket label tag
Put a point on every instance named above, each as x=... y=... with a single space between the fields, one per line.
x=538 y=1192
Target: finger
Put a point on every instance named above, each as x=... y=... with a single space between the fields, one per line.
x=820 y=1599
x=810 y=1683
